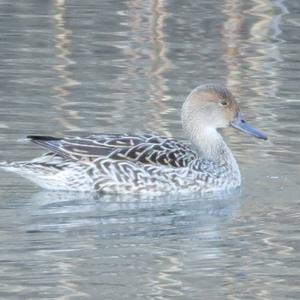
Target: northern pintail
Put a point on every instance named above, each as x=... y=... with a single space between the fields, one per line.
x=147 y=163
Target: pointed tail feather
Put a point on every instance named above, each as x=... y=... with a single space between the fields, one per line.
x=4 y=164
x=10 y=166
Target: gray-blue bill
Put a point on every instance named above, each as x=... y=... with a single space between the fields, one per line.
x=241 y=124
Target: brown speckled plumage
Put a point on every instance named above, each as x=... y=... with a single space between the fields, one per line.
x=146 y=163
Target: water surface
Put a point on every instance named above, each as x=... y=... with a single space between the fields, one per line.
x=72 y=67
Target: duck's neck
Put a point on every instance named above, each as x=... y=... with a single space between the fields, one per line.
x=210 y=145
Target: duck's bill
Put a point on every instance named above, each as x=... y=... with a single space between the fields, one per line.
x=240 y=123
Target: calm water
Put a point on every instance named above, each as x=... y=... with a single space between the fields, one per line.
x=126 y=66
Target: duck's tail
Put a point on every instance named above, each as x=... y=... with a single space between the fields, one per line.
x=35 y=173
x=53 y=175
x=15 y=167
x=9 y=166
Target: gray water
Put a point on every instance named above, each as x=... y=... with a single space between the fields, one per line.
x=126 y=66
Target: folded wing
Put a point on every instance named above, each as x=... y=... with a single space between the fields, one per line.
x=141 y=149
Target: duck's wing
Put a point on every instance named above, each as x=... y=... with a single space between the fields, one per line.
x=143 y=149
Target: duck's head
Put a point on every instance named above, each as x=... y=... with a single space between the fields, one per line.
x=210 y=107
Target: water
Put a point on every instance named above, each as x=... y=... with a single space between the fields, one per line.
x=126 y=66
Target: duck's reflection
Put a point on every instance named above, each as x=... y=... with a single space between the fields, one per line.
x=88 y=209
x=142 y=243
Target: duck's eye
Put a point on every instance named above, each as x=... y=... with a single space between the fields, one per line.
x=224 y=103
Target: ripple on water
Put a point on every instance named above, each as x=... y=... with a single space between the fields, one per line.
x=68 y=67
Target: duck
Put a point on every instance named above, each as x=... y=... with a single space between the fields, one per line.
x=149 y=162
